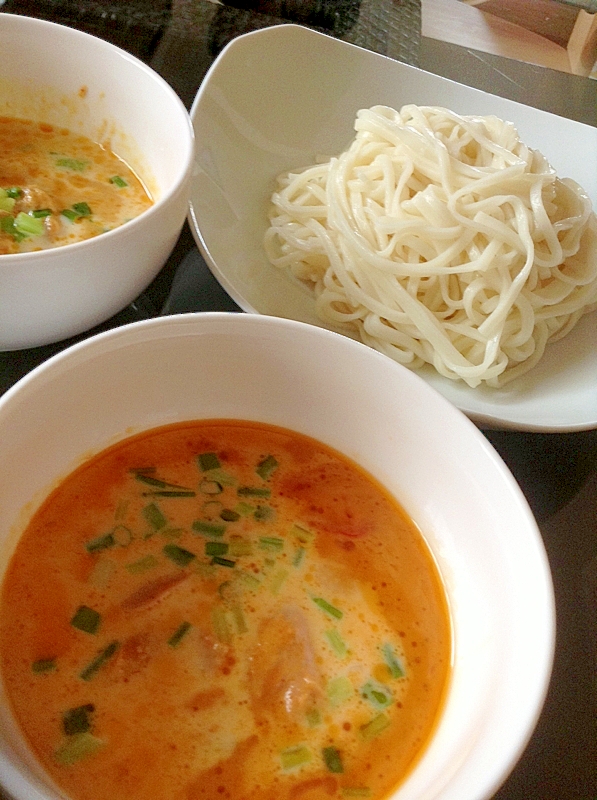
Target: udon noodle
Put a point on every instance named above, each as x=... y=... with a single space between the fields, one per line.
x=443 y=239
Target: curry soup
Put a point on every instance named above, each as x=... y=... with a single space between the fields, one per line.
x=224 y=609
x=57 y=188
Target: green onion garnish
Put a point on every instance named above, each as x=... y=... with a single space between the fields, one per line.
x=339 y=690
x=264 y=514
x=42 y=212
x=272 y=543
x=210 y=487
x=102 y=657
x=220 y=624
x=313 y=717
x=377 y=694
x=240 y=547
x=228 y=515
x=77 y=747
x=328 y=607
x=304 y=535
x=332 y=759
x=267 y=467
x=142 y=564
x=223 y=562
x=239 y=619
x=374 y=727
x=28 y=225
x=253 y=491
x=178 y=555
x=100 y=543
x=208 y=528
x=244 y=509
x=208 y=461
x=7 y=203
x=295 y=757
x=179 y=633
x=392 y=662
x=72 y=163
x=337 y=643
x=13 y=192
x=216 y=548
x=277 y=580
x=86 y=619
x=76 y=720
x=118 y=181
x=43 y=665
x=154 y=517
x=82 y=209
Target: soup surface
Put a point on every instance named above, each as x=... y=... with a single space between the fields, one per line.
x=57 y=188
x=224 y=609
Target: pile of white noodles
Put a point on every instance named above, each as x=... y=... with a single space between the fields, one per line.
x=442 y=239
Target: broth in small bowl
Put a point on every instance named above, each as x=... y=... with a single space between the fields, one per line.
x=265 y=554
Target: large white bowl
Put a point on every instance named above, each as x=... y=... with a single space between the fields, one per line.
x=426 y=452
x=62 y=76
x=286 y=97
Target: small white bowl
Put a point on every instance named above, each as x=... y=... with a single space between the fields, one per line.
x=51 y=73
x=427 y=453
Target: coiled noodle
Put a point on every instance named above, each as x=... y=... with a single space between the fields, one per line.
x=442 y=239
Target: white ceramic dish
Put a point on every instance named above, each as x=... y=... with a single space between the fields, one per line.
x=51 y=73
x=428 y=454
x=285 y=96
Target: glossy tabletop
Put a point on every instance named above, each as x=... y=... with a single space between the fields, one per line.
x=557 y=472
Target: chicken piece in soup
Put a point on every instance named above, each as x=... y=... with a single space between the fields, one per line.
x=224 y=609
x=58 y=188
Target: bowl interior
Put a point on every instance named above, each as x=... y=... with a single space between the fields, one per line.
x=51 y=73
x=264 y=107
x=424 y=451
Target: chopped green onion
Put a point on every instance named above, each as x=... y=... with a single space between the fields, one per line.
x=244 y=509
x=100 y=543
x=158 y=483
x=170 y=493
x=221 y=476
x=264 y=514
x=295 y=757
x=69 y=214
x=28 y=225
x=223 y=562
x=102 y=657
x=333 y=760
x=377 y=694
x=118 y=181
x=43 y=665
x=272 y=543
x=122 y=535
x=392 y=662
x=339 y=690
x=249 y=580
x=374 y=727
x=142 y=564
x=77 y=747
x=208 y=528
x=7 y=225
x=208 y=461
x=239 y=619
x=267 y=467
x=216 y=548
x=277 y=580
x=253 y=491
x=240 y=547
x=313 y=717
x=40 y=213
x=328 y=607
x=14 y=192
x=178 y=555
x=178 y=634
x=72 y=163
x=154 y=517
x=172 y=533
x=299 y=557
x=82 y=209
x=228 y=515
x=6 y=203
x=86 y=619
x=76 y=720
x=337 y=643
x=220 y=624
x=302 y=534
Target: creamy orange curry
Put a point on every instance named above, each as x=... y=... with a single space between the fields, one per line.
x=224 y=609
x=57 y=187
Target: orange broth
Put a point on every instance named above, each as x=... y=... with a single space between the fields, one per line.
x=224 y=609
x=58 y=187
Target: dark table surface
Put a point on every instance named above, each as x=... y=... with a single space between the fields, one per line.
x=557 y=472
